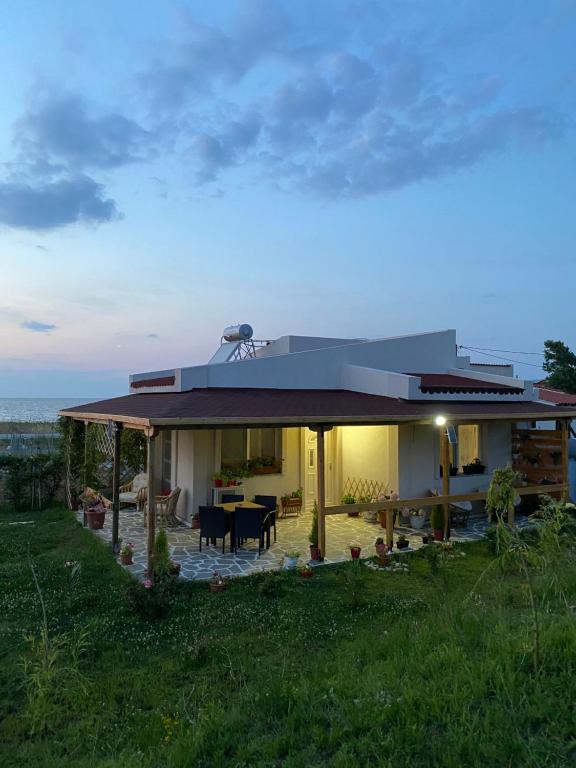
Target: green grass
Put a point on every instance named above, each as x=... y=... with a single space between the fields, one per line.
x=350 y=668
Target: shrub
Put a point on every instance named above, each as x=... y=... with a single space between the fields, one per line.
x=437 y=518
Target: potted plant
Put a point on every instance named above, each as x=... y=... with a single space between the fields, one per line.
x=162 y=565
x=315 y=553
x=127 y=553
x=306 y=571
x=291 y=502
x=402 y=542
x=437 y=522
x=556 y=457
x=218 y=480
x=348 y=498
x=475 y=467
x=291 y=559
x=355 y=550
x=370 y=515
x=95 y=516
x=417 y=518
x=216 y=583
x=381 y=551
x=453 y=470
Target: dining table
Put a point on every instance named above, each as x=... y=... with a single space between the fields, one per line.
x=230 y=509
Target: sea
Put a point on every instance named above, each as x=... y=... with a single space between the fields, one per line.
x=36 y=409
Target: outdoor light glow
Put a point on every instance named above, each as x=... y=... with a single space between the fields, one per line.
x=440 y=421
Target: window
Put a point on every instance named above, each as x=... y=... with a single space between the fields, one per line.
x=166 y=473
x=245 y=445
x=234 y=442
x=265 y=442
x=468 y=447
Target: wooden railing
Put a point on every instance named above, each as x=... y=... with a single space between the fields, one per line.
x=431 y=501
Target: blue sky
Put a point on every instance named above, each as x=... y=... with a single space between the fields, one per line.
x=348 y=168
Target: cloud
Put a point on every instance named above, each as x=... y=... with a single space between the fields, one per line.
x=334 y=118
x=40 y=205
x=209 y=55
x=37 y=327
x=61 y=129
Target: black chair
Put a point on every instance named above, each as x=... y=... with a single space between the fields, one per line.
x=214 y=524
x=229 y=497
x=271 y=503
x=248 y=524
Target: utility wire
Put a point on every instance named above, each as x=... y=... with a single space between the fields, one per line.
x=509 y=351
x=499 y=357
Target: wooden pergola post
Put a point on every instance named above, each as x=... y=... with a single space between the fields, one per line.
x=445 y=461
x=389 y=529
x=321 y=490
x=117 y=431
x=151 y=501
x=565 y=435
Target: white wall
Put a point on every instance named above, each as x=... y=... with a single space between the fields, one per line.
x=369 y=453
x=418 y=459
x=193 y=467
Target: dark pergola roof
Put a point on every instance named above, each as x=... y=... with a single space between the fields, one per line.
x=450 y=383
x=217 y=407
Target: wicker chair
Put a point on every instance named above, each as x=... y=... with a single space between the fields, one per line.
x=166 y=508
x=134 y=494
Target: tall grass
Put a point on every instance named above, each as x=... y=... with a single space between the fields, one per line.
x=434 y=667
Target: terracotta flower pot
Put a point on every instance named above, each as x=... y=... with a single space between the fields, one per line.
x=217 y=483
x=314 y=552
x=355 y=552
x=195 y=523
x=126 y=559
x=216 y=587
x=306 y=574
x=438 y=534
x=95 y=518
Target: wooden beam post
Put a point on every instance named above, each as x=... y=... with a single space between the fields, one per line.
x=116 y=487
x=565 y=433
x=151 y=502
x=445 y=461
x=321 y=490
x=389 y=529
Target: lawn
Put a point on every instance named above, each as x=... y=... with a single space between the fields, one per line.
x=434 y=667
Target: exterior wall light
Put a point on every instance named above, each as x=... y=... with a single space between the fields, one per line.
x=440 y=421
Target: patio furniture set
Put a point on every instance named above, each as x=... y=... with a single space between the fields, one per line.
x=239 y=520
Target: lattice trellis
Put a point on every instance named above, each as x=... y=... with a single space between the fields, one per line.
x=362 y=487
x=103 y=440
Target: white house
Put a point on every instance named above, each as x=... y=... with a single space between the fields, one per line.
x=374 y=402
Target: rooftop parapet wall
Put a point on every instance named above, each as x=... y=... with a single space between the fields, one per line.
x=322 y=368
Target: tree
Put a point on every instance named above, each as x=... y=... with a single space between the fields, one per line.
x=560 y=365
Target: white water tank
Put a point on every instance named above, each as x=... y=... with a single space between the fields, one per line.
x=241 y=332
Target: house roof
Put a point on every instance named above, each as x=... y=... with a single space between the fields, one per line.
x=556 y=396
x=241 y=407
x=450 y=383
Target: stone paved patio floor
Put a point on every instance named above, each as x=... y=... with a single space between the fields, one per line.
x=292 y=534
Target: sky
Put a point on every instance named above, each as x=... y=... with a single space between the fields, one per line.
x=346 y=168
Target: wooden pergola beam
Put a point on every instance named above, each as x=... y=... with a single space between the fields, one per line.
x=432 y=501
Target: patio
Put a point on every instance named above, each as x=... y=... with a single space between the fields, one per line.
x=292 y=534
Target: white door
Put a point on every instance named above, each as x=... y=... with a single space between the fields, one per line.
x=310 y=456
